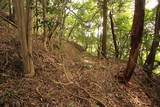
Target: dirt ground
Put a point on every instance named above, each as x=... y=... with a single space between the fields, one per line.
x=66 y=79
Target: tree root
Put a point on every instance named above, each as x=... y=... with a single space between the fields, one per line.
x=90 y=96
x=100 y=103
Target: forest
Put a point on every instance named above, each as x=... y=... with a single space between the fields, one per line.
x=79 y=53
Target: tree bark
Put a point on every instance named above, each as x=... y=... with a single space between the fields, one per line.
x=23 y=23
x=149 y=63
x=10 y=8
x=113 y=35
x=44 y=3
x=71 y=30
x=29 y=34
x=36 y=17
x=136 y=38
x=104 y=37
x=13 y=10
x=53 y=30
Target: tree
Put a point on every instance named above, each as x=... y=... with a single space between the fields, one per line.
x=136 y=38
x=10 y=8
x=113 y=35
x=149 y=63
x=104 y=37
x=25 y=33
x=36 y=14
x=44 y=3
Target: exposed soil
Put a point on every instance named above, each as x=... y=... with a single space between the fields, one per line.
x=66 y=79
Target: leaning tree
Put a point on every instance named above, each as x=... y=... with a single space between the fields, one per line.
x=149 y=63
x=136 y=38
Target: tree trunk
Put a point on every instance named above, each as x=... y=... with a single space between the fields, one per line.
x=29 y=34
x=10 y=8
x=53 y=30
x=13 y=11
x=149 y=63
x=114 y=36
x=99 y=43
x=36 y=17
x=104 y=37
x=71 y=30
x=136 y=38
x=24 y=27
x=44 y=3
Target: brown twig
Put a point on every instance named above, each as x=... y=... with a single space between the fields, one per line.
x=97 y=100
x=37 y=90
x=77 y=85
x=7 y=20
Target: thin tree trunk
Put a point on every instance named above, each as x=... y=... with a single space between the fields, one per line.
x=44 y=3
x=99 y=43
x=149 y=63
x=36 y=17
x=104 y=37
x=63 y=23
x=71 y=30
x=50 y=37
x=53 y=30
x=13 y=11
x=136 y=38
x=10 y=8
x=113 y=35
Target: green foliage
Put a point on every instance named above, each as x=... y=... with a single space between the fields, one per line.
x=4 y=98
x=148 y=33
x=7 y=94
x=70 y=105
x=1 y=85
x=81 y=21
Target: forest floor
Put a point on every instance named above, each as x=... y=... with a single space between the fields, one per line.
x=68 y=77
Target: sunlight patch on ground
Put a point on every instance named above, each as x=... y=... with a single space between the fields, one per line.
x=87 y=61
x=151 y=4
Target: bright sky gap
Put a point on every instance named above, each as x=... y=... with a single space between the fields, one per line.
x=152 y=4
x=149 y=5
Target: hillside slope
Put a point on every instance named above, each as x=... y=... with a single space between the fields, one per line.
x=66 y=79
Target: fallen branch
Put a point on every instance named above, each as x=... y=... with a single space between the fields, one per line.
x=61 y=83
x=41 y=98
x=97 y=100
x=100 y=103
x=7 y=20
x=89 y=95
x=78 y=96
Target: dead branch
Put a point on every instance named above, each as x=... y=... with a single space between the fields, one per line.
x=97 y=100
x=8 y=21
